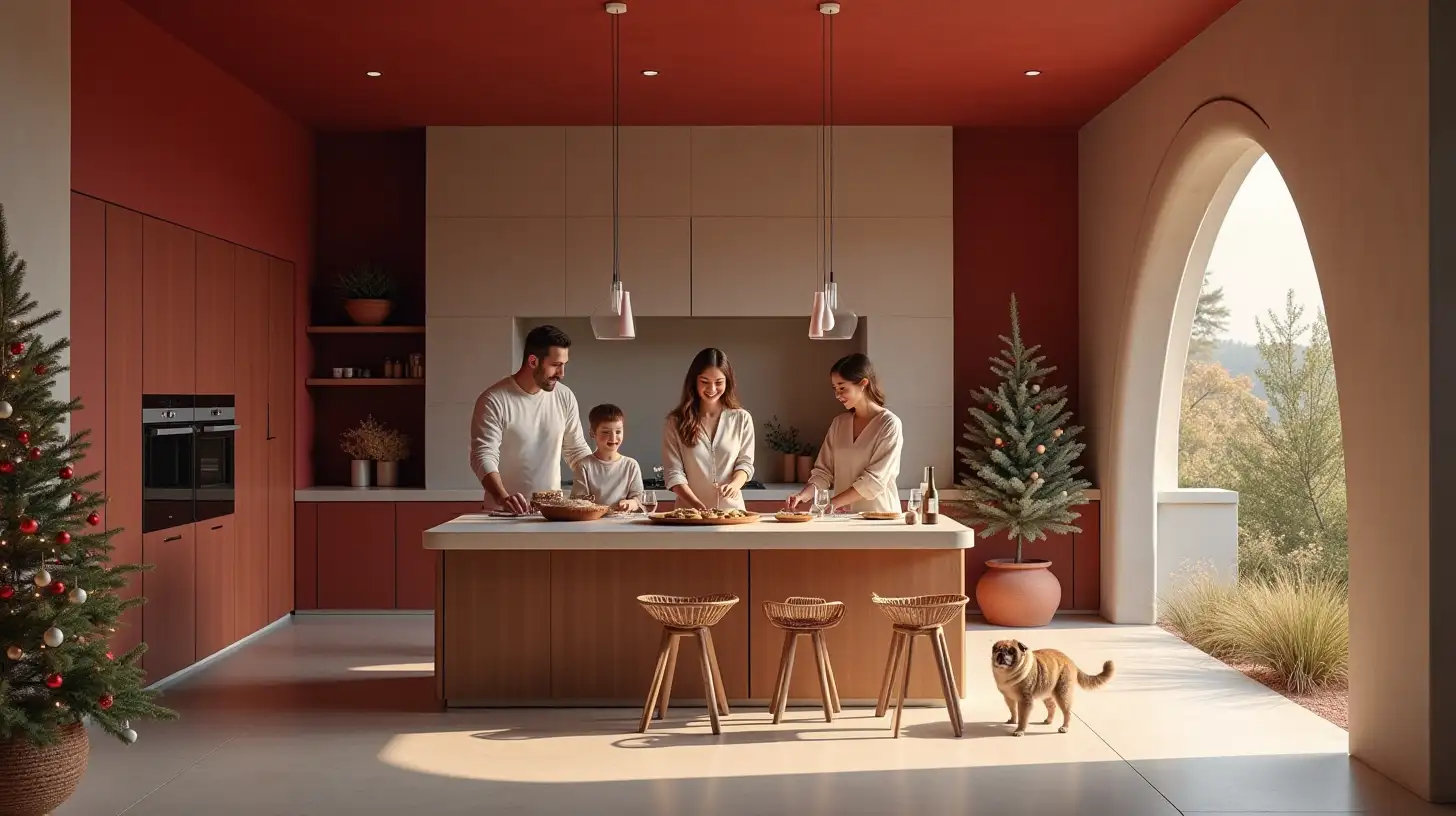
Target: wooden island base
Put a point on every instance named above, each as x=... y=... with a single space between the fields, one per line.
x=520 y=627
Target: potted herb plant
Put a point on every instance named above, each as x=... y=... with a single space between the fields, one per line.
x=367 y=291
x=362 y=443
x=1023 y=480
x=393 y=448
x=785 y=442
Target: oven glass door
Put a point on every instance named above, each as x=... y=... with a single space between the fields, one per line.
x=167 y=475
x=215 y=470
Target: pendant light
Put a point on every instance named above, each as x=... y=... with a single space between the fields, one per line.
x=828 y=319
x=613 y=321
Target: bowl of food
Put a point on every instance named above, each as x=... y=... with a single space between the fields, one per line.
x=572 y=510
x=541 y=497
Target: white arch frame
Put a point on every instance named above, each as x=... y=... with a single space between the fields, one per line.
x=1203 y=168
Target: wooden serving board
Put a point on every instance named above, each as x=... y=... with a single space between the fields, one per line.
x=881 y=516
x=662 y=518
x=793 y=519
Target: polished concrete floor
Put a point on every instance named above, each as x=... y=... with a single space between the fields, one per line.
x=335 y=715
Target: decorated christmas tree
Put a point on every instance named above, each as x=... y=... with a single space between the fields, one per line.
x=1022 y=453
x=58 y=589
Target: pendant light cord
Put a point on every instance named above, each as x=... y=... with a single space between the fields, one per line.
x=616 y=127
x=826 y=235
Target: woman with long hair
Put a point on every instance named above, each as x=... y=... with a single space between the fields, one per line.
x=707 y=441
x=859 y=461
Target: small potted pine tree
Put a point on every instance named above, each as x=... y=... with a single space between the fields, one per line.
x=60 y=595
x=785 y=442
x=367 y=290
x=1022 y=479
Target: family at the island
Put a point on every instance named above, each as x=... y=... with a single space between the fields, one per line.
x=524 y=425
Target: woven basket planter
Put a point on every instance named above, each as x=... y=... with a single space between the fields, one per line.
x=36 y=780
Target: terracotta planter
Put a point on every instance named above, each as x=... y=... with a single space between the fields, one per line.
x=805 y=468
x=790 y=467
x=36 y=781
x=1012 y=594
x=368 y=312
x=386 y=474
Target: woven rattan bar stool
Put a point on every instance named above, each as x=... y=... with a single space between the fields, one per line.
x=683 y=617
x=805 y=616
x=923 y=615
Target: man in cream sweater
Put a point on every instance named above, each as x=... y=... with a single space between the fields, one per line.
x=524 y=425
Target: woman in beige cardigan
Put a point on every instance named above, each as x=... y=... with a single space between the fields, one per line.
x=859 y=461
x=707 y=441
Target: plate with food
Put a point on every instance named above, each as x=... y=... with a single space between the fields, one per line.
x=791 y=517
x=880 y=515
x=560 y=509
x=690 y=517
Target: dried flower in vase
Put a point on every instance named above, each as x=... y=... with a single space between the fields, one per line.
x=371 y=440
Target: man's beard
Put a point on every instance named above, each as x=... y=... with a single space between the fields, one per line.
x=545 y=383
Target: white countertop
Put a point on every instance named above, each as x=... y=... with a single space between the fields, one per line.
x=770 y=492
x=483 y=532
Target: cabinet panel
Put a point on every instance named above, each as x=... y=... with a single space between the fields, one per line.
x=754 y=267
x=657 y=257
x=250 y=283
x=281 y=434
x=124 y=409
x=216 y=591
x=415 y=566
x=1087 y=558
x=216 y=317
x=88 y=330
x=305 y=555
x=170 y=627
x=169 y=282
x=356 y=555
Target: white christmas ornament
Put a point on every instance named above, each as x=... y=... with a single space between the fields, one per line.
x=129 y=735
x=42 y=578
x=15 y=653
x=1036 y=389
x=78 y=596
x=5 y=410
x=1057 y=433
x=1041 y=448
x=54 y=637
x=1035 y=477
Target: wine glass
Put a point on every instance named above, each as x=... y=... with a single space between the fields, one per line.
x=649 y=502
x=912 y=504
x=821 y=500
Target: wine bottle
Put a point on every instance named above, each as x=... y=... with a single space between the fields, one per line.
x=932 y=497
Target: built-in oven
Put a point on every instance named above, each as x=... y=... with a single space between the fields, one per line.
x=214 y=451
x=169 y=438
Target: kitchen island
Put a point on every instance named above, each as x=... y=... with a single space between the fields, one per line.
x=536 y=613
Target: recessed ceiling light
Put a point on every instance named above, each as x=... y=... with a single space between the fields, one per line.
x=372 y=73
x=649 y=73
x=1033 y=73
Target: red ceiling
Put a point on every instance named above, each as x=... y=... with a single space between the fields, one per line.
x=510 y=62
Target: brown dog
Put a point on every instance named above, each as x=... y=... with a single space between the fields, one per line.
x=1025 y=676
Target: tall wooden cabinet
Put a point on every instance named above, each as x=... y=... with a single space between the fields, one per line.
x=169 y=284
x=124 y=243
x=279 y=415
x=216 y=324
x=250 y=284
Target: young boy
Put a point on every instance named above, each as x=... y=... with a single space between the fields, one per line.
x=608 y=476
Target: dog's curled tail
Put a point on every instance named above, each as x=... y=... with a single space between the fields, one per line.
x=1093 y=681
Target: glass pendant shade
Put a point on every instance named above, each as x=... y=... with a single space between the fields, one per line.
x=842 y=322
x=615 y=321
x=816 y=317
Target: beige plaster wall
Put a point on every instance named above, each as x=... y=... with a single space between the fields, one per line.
x=1343 y=88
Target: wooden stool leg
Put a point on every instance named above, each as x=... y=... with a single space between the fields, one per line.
x=786 y=669
x=904 y=684
x=942 y=665
x=717 y=675
x=896 y=644
x=708 y=685
x=950 y=681
x=773 y=703
x=656 y=684
x=667 y=678
x=824 y=694
x=829 y=668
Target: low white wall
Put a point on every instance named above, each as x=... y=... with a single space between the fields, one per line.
x=1196 y=527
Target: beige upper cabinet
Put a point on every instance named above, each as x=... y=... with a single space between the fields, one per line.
x=657 y=259
x=655 y=172
x=495 y=172
x=893 y=172
x=755 y=172
x=754 y=267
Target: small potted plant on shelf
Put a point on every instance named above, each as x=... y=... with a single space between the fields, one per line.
x=806 y=462
x=1022 y=480
x=785 y=442
x=367 y=290
x=393 y=449
x=363 y=443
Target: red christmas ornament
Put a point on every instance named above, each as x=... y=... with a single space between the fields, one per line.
x=105 y=701
x=63 y=537
x=34 y=454
x=41 y=369
x=7 y=466
x=110 y=656
x=17 y=348
x=93 y=519
x=29 y=526
x=6 y=593
x=24 y=437
x=75 y=497
x=67 y=472
x=58 y=587
x=54 y=681
x=990 y=406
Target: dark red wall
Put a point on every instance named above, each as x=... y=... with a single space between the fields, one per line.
x=158 y=129
x=1015 y=232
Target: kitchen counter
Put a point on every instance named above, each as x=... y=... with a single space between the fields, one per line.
x=538 y=613
x=770 y=492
